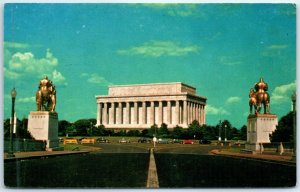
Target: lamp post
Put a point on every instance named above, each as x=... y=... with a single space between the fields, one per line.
x=220 y=131
x=293 y=97
x=11 y=147
x=225 y=126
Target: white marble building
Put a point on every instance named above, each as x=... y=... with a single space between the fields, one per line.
x=143 y=105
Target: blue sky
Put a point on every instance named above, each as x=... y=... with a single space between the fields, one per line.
x=220 y=49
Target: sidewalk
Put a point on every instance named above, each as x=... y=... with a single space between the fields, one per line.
x=268 y=157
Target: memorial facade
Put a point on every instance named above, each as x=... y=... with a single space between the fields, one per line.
x=141 y=106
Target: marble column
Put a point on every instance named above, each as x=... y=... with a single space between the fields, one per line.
x=193 y=111
x=152 y=113
x=144 y=113
x=127 y=113
x=201 y=115
x=120 y=113
x=176 y=113
x=112 y=113
x=169 y=117
x=198 y=113
x=160 y=113
x=105 y=114
x=185 y=112
x=204 y=115
x=135 y=113
x=99 y=114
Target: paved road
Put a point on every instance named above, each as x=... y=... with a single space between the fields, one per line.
x=160 y=148
x=121 y=148
x=188 y=149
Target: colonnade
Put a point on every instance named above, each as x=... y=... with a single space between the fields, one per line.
x=143 y=114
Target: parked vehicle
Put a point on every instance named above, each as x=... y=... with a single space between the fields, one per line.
x=123 y=140
x=188 y=141
x=162 y=141
x=204 y=141
x=144 y=140
x=176 y=141
x=102 y=140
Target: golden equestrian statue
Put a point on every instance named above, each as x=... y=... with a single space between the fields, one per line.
x=259 y=96
x=46 y=95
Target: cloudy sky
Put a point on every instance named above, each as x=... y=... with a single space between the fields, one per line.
x=220 y=49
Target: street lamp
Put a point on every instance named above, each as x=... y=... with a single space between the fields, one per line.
x=220 y=131
x=11 y=147
x=225 y=126
x=294 y=97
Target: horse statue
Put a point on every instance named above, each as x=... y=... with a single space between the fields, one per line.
x=46 y=96
x=259 y=97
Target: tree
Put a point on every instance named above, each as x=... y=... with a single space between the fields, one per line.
x=144 y=133
x=133 y=133
x=22 y=129
x=193 y=131
x=82 y=127
x=6 y=128
x=71 y=131
x=177 y=132
x=284 y=130
x=62 y=127
x=163 y=131
x=153 y=131
x=243 y=133
x=208 y=132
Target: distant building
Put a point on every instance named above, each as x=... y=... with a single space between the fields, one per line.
x=143 y=105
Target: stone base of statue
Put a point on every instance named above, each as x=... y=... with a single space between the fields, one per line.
x=43 y=125
x=259 y=128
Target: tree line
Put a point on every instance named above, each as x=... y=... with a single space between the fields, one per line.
x=87 y=127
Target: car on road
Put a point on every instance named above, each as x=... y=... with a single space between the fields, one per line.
x=163 y=141
x=204 y=141
x=144 y=140
x=102 y=140
x=123 y=140
x=187 y=141
x=176 y=141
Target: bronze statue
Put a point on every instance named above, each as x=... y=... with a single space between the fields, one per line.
x=259 y=96
x=46 y=95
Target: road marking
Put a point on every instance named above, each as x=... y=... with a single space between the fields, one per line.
x=152 y=181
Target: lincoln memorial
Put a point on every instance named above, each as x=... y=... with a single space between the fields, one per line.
x=141 y=106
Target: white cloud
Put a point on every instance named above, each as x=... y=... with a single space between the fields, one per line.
x=160 y=48
x=283 y=93
x=8 y=44
x=230 y=60
x=26 y=100
x=173 y=9
x=274 y=50
x=275 y=46
x=231 y=100
x=11 y=74
x=21 y=64
x=57 y=77
x=96 y=79
x=215 y=110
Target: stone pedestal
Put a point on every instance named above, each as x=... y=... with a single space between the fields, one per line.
x=259 y=128
x=43 y=125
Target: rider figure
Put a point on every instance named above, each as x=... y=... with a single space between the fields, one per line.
x=46 y=88
x=44 y=84
x=261 y=86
